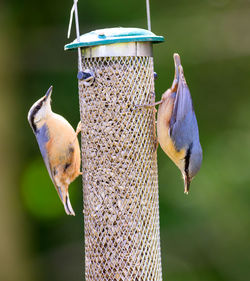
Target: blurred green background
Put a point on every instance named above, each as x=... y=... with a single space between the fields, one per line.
x=204 y=236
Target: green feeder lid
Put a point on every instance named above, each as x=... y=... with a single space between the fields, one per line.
x=114 y=35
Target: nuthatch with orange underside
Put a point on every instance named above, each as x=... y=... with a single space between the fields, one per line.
x=177 y=128
x=58 y=144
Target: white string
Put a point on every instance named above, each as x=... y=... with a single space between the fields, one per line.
x=77 y=21
x=70 y=21
x=148 y=15
x=74 y=10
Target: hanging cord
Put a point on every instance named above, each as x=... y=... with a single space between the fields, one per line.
x=148 y=15
x=74 y=10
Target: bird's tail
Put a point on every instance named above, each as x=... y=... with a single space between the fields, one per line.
x=67 y=206
x=64 y=196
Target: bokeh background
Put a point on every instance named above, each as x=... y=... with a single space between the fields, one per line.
x=205 y=235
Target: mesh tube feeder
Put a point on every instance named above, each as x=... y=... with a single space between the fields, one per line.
x=119 y=160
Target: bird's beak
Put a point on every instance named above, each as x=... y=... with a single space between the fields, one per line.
x=187 y=182
x=49 y=92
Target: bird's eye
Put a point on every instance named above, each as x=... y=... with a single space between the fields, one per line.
x=38 y=106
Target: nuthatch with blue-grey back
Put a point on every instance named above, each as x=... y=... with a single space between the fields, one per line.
x=59 y=146
x=177 y=128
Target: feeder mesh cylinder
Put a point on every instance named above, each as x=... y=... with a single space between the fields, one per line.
x=120 y=179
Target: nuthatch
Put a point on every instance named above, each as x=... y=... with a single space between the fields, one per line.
x=59 y=146
x=177 y=128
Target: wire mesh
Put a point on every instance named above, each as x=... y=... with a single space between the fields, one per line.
x=120 y=179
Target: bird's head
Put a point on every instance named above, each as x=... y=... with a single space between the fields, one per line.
x=40 y=110
x=191 y=164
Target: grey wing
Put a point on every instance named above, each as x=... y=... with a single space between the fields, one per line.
x=42 y=137
x=183 y=123
x=183 y=102
x=185 y=133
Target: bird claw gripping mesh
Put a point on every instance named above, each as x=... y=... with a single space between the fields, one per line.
x=120 y=180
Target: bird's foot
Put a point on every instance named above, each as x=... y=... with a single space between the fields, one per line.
x=148 y=106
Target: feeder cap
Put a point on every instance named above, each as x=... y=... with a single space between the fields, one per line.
x=114 y=35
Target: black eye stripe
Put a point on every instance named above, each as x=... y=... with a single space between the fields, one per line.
x=35 y=110
x=187 y=158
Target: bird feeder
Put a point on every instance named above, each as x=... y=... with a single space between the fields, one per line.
x=119 y=159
